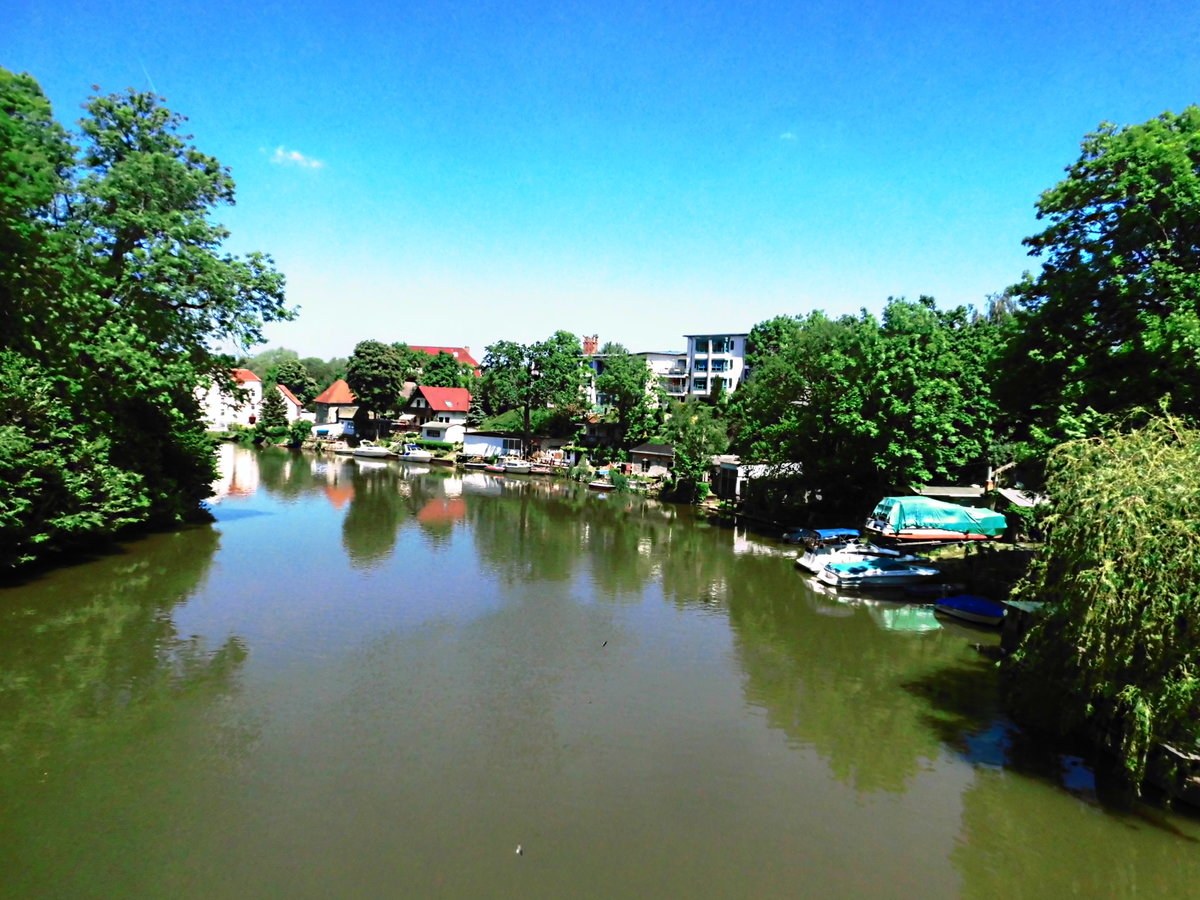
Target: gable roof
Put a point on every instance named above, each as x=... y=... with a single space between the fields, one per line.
x=652 y=449
x=446 y=399
x=338 y=392
x=241 y=376
x=462 y=354
x=283 y=389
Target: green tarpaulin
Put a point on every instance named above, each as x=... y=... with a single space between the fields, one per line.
x=901 y=513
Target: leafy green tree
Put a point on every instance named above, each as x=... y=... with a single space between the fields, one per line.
x=324 y=372
x=443 y=370
x=295 y=376
x=866 y=406
x=113 y=295
x=266 y=364
x=1112 y=321
x=376 y=373
x=1114 y=656
x=547 y=374
x=626 y=384
x=771 y=338
x=697 y=435
x=273 y=410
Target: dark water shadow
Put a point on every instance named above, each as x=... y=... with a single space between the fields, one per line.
x=966 y=716
x=232 y=515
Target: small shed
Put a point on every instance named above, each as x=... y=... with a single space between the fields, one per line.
x=653 y=459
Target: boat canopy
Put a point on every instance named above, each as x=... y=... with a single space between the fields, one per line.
x=902 y=513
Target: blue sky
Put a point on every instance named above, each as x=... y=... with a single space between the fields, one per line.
x=462 y=173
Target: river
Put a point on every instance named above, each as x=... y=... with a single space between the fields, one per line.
x=368 y=679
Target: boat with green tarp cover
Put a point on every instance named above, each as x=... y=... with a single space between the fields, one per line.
x=926 y=519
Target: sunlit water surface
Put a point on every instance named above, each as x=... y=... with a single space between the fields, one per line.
x=373 y=680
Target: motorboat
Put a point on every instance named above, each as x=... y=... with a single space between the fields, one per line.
x=876 y=572
x=820 y=536
x=601 y=485
x=515 y=466
x=925 y=520
x=814 y=559
x=970 y=608
x=371 y=450
x=413 y=453
x=341 y=448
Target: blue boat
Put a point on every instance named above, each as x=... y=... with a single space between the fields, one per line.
x=970 y=608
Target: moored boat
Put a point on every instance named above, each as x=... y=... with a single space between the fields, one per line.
x=413 y=453
x=925 y=520
x=516 y=466
x=371 y=450
x=878 y=571
x=970 y=608
x=601 y=485
x=814 y=559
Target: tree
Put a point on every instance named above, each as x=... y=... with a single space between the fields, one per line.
x=1114 y=655
x=625 y=383
x=443 y=370
x=547 y=374
x=771 y=338
x=866 y=406
x=295 y=376
x=114 y=289
x=376 y=374
x=697 y=435
x=1112 y=321
x=274 y=409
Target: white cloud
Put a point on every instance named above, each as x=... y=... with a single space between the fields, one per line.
x=285 y=157
x=787 y=136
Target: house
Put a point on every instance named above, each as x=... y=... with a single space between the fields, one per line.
x=337 y=410
x=460 y=354
x=713 y=357
x=670 y=368
x=653 y=459
x=732 y=478
x=490 y=444
x=221 y=409
x=293 y=408
x=440 y=413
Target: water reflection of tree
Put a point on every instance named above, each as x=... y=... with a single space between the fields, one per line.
x=836 y=682
x=377 y=510
x=90 y=655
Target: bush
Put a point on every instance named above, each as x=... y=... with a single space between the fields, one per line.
x=1114 y=657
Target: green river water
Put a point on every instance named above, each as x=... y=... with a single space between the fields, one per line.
x=372 y=680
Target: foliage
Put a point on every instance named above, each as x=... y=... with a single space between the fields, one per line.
x=547 y=374
x=298 y=432
x=296 y=378
x=376 y=374
x=771 y=338
x=435 y=445
x=113 y=288
x=1111 y=321
x=1116 y=653
x=625 y=382
x=696 y=435
x=867 y=406
x=273 y=413
x=443 y=370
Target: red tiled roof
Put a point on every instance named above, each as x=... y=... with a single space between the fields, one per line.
x=339 y=392
x=446 y=399
x=287 y=393
x=241 y=376
x=462 y=354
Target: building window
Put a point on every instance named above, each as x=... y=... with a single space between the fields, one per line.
x=702 y=365
x=720 y=365
x=700 y=384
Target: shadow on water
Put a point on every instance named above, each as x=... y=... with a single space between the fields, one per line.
x=966 y=715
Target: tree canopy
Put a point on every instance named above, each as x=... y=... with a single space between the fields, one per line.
x=625 y=384
x=376 y=374
x=1112 y=320
x=548 y=373
x=868 y=405
x=113 y=290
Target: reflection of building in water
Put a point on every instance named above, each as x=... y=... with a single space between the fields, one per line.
x=452 y=487
x=746 y=544
x=442 y=510
x=237 y=473
x=480 y=483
